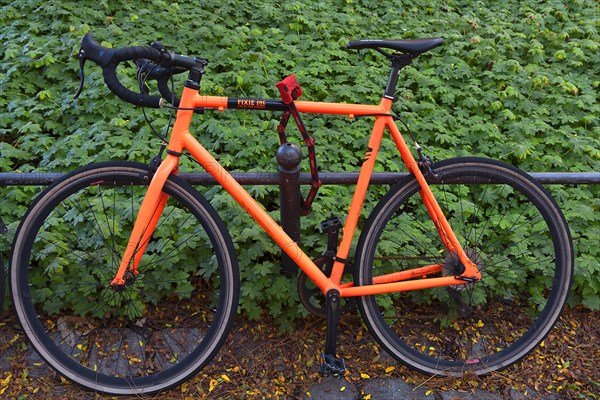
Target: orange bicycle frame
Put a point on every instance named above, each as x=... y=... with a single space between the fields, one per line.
x=181 y=139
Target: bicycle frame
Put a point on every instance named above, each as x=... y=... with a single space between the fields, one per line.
x=181 y=139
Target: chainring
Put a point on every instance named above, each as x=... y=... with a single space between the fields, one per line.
x=311 y=296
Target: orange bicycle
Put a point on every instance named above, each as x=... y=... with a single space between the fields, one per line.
x=125 y=279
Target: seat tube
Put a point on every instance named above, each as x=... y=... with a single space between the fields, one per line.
x=359 y=196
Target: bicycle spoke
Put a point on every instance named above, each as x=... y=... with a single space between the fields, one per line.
x=161 y=317
x=475 y=326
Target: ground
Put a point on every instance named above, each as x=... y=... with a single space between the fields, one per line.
x=259 y=361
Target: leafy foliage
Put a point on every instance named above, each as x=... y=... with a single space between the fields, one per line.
x=516 y=80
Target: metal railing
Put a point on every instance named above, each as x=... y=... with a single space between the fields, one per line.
x=289 y=178
x=273 y=178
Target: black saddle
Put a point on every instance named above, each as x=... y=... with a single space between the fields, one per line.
x=412 y=46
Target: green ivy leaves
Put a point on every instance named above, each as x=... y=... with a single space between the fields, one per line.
x=515 y=80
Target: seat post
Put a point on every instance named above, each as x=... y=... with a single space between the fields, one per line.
x=399 y=61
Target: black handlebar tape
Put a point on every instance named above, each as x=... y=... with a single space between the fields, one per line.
x=135 y=52
x=139 y=99
x=112 y=81
x=108 y=59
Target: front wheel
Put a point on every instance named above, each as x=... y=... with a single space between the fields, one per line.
x=167 y=321
x=515 y=233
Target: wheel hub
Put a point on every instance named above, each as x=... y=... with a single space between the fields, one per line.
x=452 y=266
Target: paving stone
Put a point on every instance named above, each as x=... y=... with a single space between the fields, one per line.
x=475 y=395
x=36 y=367
x=6 y=359
x=385 y=389
x=524 y=394
x=528 y=393
x=332 y=389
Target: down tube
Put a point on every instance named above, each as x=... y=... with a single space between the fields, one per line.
x=255 y=210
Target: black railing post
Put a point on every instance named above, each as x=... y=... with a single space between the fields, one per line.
x=289 y=157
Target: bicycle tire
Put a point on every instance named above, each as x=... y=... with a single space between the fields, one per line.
x=510 y=226
x=172 y=317
x=2 y=285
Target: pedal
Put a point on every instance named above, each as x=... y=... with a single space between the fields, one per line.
x=333 y=223
x=332 y=228
x=310 y=295
x=332 y=366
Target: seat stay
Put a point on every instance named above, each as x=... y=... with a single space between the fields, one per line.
x=436 y=214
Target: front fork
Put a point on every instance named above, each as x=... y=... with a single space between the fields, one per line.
x=146 y=220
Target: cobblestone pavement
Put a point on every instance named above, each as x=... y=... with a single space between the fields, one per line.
x=326 y=389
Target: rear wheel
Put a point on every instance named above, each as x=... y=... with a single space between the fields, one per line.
x=515 y=233
x=169 y=319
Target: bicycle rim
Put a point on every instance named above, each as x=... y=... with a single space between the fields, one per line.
x=510 y=227
x=170 y=319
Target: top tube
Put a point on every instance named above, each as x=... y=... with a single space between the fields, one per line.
x=221 y=103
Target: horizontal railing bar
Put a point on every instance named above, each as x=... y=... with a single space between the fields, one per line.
x=272 y=178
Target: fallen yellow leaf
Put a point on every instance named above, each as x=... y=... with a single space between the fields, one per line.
x=4 y=382
x=212 y=385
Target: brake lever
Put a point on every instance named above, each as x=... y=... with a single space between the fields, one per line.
x=161 y=73
x=143 y=73
x=82 y=59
